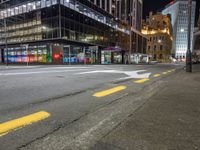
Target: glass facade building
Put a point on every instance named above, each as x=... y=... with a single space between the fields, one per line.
x=179 y=16
x=129 y=11
x=58 y=31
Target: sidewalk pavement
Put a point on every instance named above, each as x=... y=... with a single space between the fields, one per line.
x=170 y=120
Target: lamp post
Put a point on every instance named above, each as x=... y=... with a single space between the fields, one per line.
x=189 y=53
x=130 y=47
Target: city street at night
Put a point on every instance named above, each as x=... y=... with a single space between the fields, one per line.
x=72 y=107
x=99 y=75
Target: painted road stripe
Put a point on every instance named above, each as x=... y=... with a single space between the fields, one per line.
x=23 y=121
x=109 y=91
x=169 y=71
x=164 y=72
x=157 y=75
x=40 y=72
x=142 y=80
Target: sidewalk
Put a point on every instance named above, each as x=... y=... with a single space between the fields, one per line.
x=170 y=120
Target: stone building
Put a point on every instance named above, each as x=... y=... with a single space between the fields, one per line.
x=158 y=29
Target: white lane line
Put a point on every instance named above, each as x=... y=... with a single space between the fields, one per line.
x=99 y=71
x=39 y=72
x=65 y=68
x=47 y=68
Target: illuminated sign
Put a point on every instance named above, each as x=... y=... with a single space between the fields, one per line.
x=56 y=56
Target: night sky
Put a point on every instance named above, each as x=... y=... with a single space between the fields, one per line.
x=158 y=5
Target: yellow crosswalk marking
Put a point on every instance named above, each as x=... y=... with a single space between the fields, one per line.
x=23 y=121
x=109 y=91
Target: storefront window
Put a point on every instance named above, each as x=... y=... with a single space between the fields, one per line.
x=106 y=57
x=32 y=54
x=76 y=55
x=66 y=55
x=12 y=55
x=49 y=55
x=24 y=55
x=117 y=57
x=42 y=54
x=18 y=54
x=90 y=56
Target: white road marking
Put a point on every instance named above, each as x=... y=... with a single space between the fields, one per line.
x=130 y=74
x=134 y=74
x=38 y=72
x=99 y=71
x=66 y=68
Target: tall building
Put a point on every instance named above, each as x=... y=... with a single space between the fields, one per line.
x=104 y=4
x=62 y=31
x=159 y=31
x=129 y=11
x=178 y=10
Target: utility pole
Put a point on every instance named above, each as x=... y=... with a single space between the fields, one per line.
x=130 y=48
x=189 y=53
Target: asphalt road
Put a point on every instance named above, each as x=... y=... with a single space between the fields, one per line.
x=70 y=95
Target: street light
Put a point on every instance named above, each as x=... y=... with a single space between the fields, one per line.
x=189 y=53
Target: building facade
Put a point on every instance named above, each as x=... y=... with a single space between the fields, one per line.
x=60 y=31
x=196 y=42
x=129 y=11
x=159 y=31
x=178 y=10
x=104 y=4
